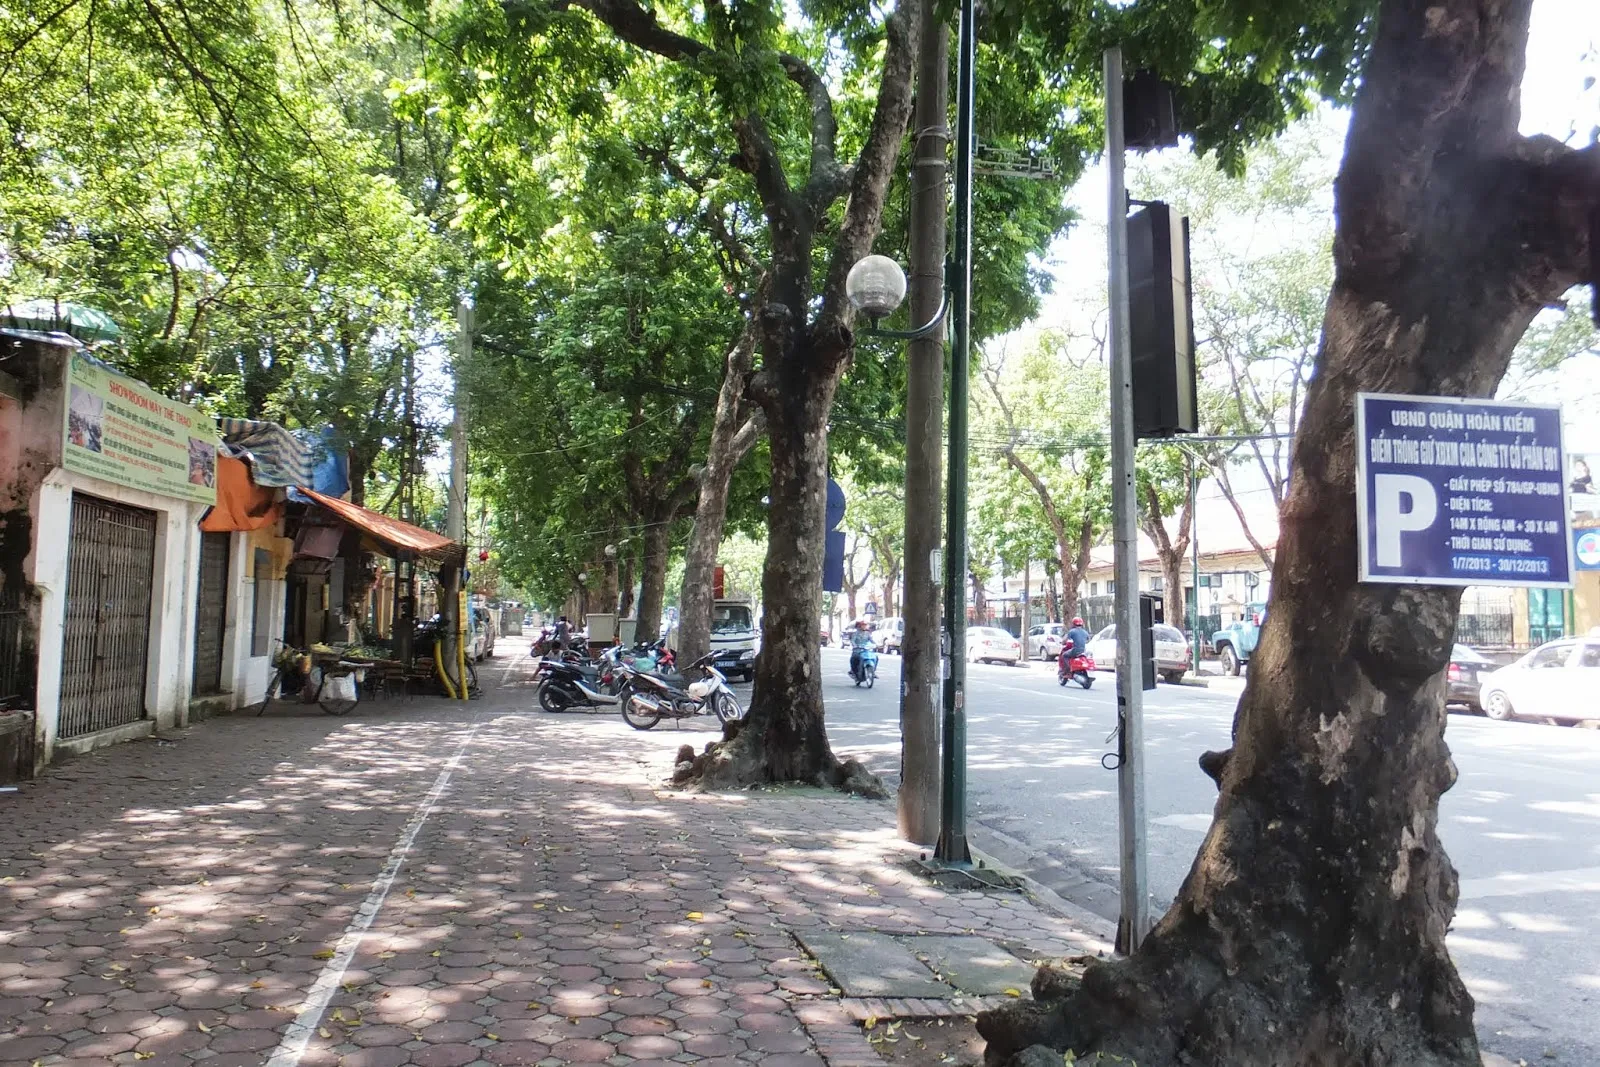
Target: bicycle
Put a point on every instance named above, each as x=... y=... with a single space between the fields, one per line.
x=285 y=670
x=287 y=678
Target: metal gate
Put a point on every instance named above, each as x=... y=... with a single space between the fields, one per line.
x=111 y=565
x=211 y=613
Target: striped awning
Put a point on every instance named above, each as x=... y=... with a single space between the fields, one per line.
x=276 y=456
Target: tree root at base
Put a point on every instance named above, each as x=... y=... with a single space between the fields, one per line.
x=738 y=762
x=1182 y=1013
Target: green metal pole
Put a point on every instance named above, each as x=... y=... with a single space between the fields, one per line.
x=952 y=846
x=1194 y=545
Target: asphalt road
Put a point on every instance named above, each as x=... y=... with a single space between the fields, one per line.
x=1522 y=826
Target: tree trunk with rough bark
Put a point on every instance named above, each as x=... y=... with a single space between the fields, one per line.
x=1311 y=928
x=783 y=738
x=730 y=443
x=1170 y=550
x=653 y=579
x=806 y=343
x=608 y=585
x=625 y=607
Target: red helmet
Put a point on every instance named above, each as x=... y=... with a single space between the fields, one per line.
x=1077 y=621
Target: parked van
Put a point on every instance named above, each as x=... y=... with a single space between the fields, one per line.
x=733 y=637
x=888 y=634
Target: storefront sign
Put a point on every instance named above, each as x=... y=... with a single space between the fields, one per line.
x=125 y=432
x=1454 y=491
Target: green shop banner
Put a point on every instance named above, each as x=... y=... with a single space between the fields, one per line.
x=125 y=432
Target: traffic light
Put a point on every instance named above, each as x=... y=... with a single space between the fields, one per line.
x=1149 y=112
x=1161 y=322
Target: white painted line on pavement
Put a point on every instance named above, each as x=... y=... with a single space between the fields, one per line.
x=1578 y=880
x=298 y=1035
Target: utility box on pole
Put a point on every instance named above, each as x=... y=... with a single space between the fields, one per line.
x=1150 y=616
x=1161 y=322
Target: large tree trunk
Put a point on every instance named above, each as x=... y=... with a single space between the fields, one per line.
x=1169 y=550
x=783 y=737
x=1074 y=564
x=730 y=443
x=608 y=585
x=1172 y=586
x=653 y=579
x=1311 y=928
x=625 y=607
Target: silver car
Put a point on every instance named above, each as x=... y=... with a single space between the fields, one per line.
x=1172 y=654
x=1558 y=680
x=1045 y=640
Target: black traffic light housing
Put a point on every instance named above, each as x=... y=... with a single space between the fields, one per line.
x=1161 y=324
x=1149 y=113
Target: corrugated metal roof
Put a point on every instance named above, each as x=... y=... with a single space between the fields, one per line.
x=391 y=532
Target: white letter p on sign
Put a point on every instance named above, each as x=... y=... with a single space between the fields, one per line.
x=1392 y=520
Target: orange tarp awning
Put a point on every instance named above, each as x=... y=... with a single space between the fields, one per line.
x=391 y=533
x=241 y=503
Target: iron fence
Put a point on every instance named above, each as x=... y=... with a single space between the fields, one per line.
x=1495 y=630
x=16 y=651
x=1098 y=612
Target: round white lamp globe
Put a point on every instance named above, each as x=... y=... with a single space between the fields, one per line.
x=876 y=285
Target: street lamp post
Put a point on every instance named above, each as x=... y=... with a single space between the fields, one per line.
x=877 y=293
x=875 y=286
x=952 y=847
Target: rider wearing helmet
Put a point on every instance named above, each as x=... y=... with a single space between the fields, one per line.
x=860 y=638
x=1077 y=639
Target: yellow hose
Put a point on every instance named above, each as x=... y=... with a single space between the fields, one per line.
x=461 y=644
x=438 y=666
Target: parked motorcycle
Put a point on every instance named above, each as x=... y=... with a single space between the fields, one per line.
x=648 y=698
x=1070 y=668
x=865 y=668
x=567 y=685
x=616 y=662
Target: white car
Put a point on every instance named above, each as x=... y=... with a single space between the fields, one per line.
x=1045 y=640
x=990 y=644
x=1558 y=680
x=887 y=634
x=1171 y=649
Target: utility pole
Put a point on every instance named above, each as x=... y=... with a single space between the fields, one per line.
x=401 y=628
x=455 y=516
x=952 y=847
x=451 y=609
x=1135 y=920
x=919 y=688
x=1194 y=550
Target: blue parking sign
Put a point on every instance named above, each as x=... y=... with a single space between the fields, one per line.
x=1459 y=491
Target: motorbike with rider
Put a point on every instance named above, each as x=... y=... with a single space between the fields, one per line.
x=1075 y=663
x=862 y=649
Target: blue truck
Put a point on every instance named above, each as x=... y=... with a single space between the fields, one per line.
x=1234 y=643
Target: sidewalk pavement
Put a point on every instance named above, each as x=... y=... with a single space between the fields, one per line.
x=434 y=883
